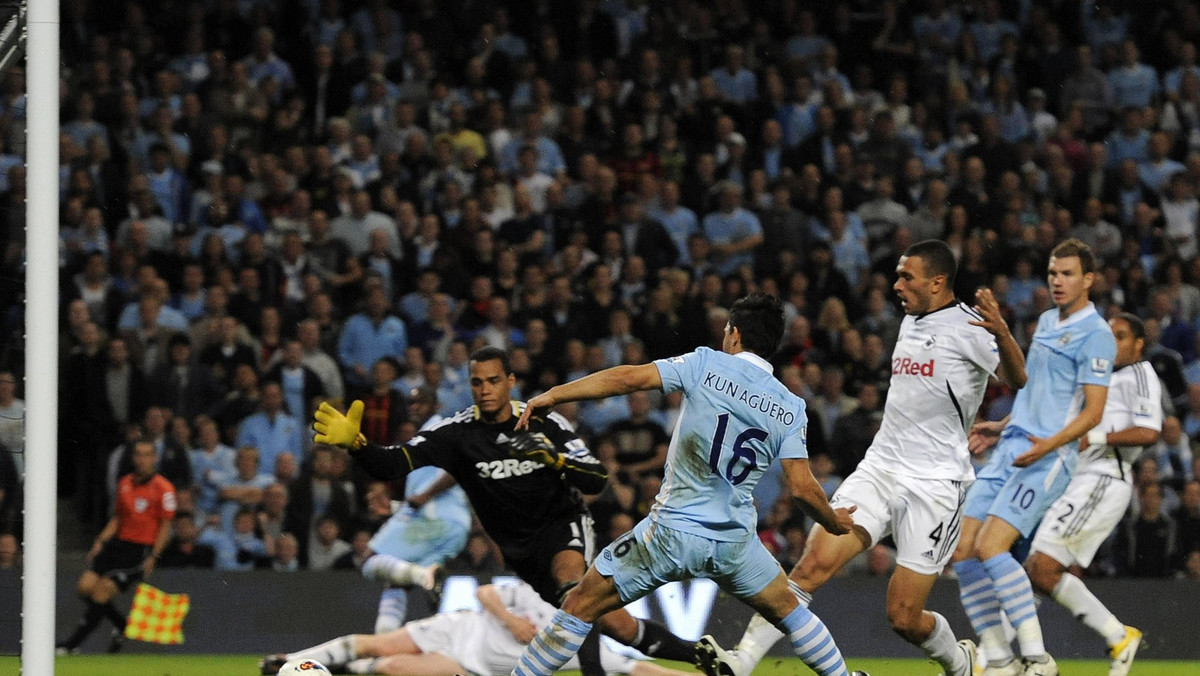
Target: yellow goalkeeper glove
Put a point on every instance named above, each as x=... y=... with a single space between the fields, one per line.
x=335 y=429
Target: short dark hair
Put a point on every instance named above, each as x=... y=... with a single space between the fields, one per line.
x=491 y=352
x=1136 y=326
x=759 y=318
x=1073 y=247
x=939 y=259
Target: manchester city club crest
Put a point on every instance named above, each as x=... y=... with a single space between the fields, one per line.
x=1064 y=339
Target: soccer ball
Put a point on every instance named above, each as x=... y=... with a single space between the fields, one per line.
x=303 y=668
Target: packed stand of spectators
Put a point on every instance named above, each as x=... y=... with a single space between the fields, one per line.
x=266 y=204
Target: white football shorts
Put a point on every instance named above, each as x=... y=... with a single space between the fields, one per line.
x=1081 y=518
x=923 y=516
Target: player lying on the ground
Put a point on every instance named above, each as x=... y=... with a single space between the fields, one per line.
x=487 y=642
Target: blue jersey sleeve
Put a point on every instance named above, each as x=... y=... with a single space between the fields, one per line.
x=1094 y=361
x=795 y=444
x=678 y=373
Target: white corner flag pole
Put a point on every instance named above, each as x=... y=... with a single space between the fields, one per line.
x=41 y=340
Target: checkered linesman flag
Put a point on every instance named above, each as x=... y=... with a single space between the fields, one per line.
x=156 y=616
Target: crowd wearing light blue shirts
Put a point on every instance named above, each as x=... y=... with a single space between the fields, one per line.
x=726 y=227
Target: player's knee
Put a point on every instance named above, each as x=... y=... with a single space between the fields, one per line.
x=87 y=583
x=103 y=594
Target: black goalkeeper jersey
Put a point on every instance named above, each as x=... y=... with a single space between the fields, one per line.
x=515 y=499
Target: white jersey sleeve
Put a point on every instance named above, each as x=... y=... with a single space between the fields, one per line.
x=1134 y=400
x=978 y=345
x=520 y=599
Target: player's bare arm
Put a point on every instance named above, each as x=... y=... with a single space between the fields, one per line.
x=1094 y=397
x=521 y=628
x=160 y=543
x=442 y=483
x=108 y=533
x=808 y=495
x=1133 y=436
x=609 y=382
x=1012 y=360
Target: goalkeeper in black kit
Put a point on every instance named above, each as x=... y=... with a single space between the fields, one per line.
x=525 y=488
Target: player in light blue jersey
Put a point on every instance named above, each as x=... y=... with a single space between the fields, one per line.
x=910 y=484
x=429 y=527
x=736 y=419
x=1069 y=365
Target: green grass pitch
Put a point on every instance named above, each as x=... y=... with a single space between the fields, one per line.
x=247 y=665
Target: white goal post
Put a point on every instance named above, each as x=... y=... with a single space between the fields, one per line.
x=41 y=339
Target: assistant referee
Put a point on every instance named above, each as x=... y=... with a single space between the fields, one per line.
x=127 y=549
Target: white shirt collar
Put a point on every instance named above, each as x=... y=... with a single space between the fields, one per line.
x=1089 y=309
x=756 y=360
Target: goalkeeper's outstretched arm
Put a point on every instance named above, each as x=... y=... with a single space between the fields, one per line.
x=335 y=429
x=385 y=463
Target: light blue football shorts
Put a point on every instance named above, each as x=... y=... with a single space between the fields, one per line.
x=652 y=555
x=420 y=540
x=1018 y=495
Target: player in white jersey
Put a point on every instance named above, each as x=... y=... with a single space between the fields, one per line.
x=485 y=642
x=1099 y=492
x=910 y=483
x=736 y=419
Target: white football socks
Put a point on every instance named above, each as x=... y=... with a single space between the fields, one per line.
x=1074 y=595
x=758 y=638
x=942 y=647
x=398 y=572
x=338 y=651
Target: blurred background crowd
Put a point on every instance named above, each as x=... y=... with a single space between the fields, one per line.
x=267 y=203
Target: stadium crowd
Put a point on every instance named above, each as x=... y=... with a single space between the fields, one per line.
x=269 y=203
